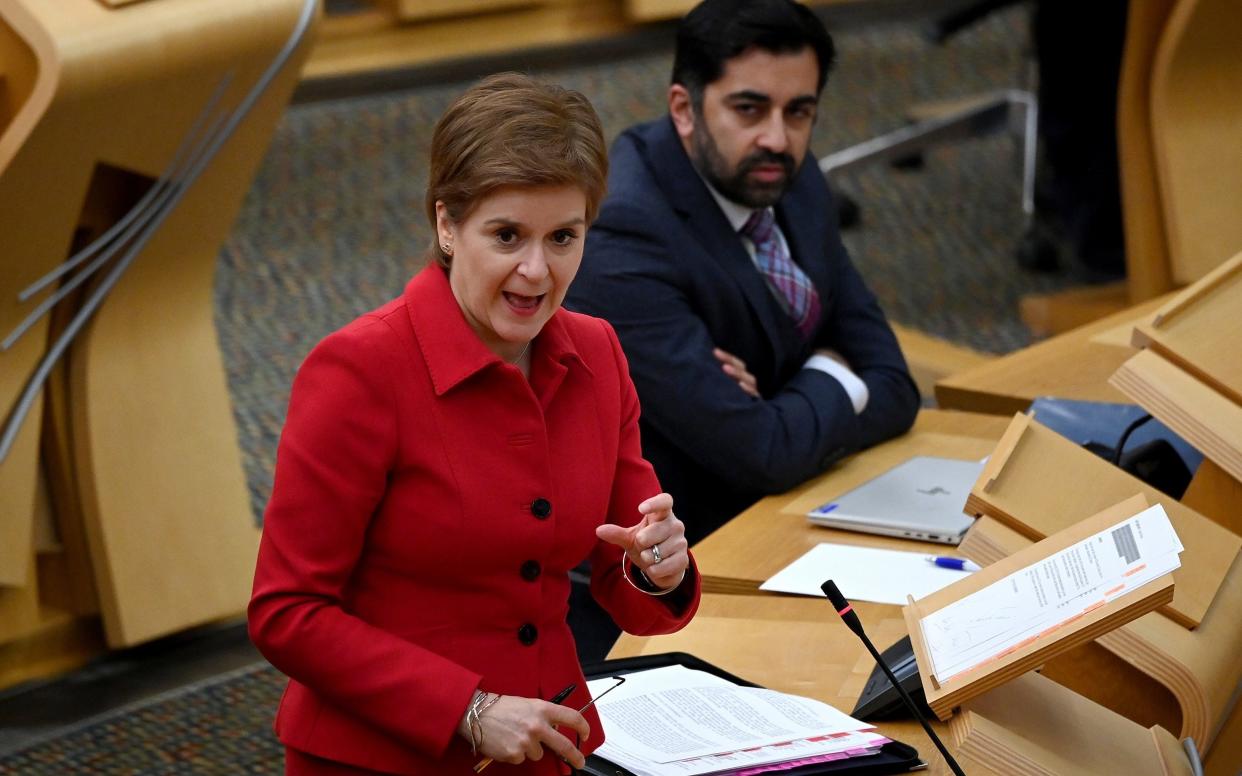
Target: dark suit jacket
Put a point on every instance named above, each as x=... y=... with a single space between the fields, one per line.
x=665 y=267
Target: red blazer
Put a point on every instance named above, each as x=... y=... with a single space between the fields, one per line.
x=428 y=505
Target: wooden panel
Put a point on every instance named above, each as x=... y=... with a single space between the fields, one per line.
x=1215 y=495
x=1225 y=759
x=1204 y=418
x=150 y=425
x=1032 y=725
x=932 y=359
x=358 y=43
x=1075 y=365
x=1061 y=311
x=422 y=10
x=33 y=243
x=1196 y=113
x=1039 y=483
x=1148 y=273
x=655 y=10
x=1198 y=329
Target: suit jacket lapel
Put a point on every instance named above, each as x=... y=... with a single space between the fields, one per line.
x=693 y=202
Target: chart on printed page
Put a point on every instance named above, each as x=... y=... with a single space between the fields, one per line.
x=1012 y=612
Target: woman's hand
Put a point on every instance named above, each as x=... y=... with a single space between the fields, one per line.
x=513 y=730
x=656 y=544
x=736 y=368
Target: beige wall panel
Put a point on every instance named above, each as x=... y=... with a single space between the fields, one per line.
x=1196 y=125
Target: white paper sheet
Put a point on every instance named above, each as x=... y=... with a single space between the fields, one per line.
x=675 y=720
x=1013 y=611
x=863 y=574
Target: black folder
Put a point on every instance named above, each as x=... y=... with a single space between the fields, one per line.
x=893 y=757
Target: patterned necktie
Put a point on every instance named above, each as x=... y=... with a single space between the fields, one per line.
x=797 y=295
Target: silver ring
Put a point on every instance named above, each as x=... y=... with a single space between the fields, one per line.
x=655 y=550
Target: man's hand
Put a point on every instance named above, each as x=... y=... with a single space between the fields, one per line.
x=736 y=368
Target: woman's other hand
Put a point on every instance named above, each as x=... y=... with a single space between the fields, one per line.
x=736 y=368
x=656 y=544
x=513 y=730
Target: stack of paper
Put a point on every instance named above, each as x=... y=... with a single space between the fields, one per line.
x=676 y=720
x=1012 y=612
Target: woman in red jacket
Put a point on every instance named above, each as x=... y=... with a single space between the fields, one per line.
x=447 y=459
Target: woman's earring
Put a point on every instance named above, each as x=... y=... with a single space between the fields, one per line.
x=448 y=249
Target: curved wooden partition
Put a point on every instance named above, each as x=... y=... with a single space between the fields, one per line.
x=150 y=454
x=1147 y=254
x=28 y=77
x=1196 y=118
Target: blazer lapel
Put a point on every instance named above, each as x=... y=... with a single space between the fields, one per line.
x=671 y=167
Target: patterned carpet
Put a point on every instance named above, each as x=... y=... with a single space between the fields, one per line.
x=333 y=226
x=221 y=726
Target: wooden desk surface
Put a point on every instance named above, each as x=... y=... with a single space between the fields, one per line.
x=744 y=552
x=1074 y=365
x=792 y=644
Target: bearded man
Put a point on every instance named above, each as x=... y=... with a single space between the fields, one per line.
x=759 y=355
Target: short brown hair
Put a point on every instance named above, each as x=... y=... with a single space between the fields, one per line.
x=513 y=130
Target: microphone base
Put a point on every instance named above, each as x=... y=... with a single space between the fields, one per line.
x=879 y=700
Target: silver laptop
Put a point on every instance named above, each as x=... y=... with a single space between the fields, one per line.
x=922 y=499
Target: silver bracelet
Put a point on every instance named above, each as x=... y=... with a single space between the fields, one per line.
x=481 y=702
x=625 y=561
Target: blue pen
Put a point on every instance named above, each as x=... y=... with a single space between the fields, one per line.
x=957 y=564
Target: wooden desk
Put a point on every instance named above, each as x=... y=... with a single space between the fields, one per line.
x=1074 y=365
x=1152 y=671
x=774 y=532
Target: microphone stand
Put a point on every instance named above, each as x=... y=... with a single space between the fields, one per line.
x=846 y=611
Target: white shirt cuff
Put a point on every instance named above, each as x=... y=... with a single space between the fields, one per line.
x=852 y=383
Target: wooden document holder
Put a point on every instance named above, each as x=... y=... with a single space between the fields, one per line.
x=1037 y=482
x=1035 y=726
x=944 y=696
x=1190 y=373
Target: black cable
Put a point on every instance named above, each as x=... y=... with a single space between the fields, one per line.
x=1125 y=437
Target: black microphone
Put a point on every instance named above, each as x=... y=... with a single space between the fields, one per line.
x=846 y=610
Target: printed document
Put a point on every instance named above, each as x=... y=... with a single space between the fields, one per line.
x=676 y=720
x=1012 y=612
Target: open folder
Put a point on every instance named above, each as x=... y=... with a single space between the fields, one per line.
x=677 y=714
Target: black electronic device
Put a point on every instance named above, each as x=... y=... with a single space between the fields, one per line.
x=879 y=699
x=893 y=757
x=845 y=610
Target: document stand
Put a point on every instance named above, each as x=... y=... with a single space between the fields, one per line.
x=1152 y=669
x=1190 y=373
x=894 y=757
x=1037 y=482
x=1033 y=725
x=945 y=695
